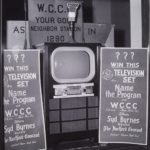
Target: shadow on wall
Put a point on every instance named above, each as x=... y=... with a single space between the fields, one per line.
x=115 y=12
x=145 y=23
x=120 y=16
x=120 y=38
x=87 y=11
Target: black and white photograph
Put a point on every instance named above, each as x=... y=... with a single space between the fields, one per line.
x=74 y=75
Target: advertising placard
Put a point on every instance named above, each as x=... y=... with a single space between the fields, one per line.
x=49 y=21
x=17 y=33
x=124 y=96
x=99 y=33
x=23 y=107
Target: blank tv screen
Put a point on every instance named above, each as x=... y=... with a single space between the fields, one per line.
x=72 y=64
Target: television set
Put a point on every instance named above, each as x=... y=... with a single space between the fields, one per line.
x=72 y=68
x=70 y=91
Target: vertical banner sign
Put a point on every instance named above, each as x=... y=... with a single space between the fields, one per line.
x=49 y=21
x=124 y=96
x=23 y=108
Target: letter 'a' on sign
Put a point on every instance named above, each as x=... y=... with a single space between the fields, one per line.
x=124 y=79
x=24 y=125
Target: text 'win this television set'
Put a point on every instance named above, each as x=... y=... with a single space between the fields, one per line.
x=70 y=87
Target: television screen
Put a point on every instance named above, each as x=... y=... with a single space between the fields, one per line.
x=72 y=64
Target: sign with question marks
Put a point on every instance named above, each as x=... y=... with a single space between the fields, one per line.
x=124 y=95
x=23 y=108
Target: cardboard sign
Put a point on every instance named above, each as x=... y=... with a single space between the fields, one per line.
x=23 y=108
x=16 y=32
x=49 y=23
x=124 y=96
x=99 y=33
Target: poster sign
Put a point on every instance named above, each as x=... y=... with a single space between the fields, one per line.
x=99 y=33
x=17 y=32
x=23 y=108
x=49 y=21
x=124 y=96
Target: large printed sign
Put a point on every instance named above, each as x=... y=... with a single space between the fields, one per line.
x=23 y=108
x=49 y=22
x=124 y=96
